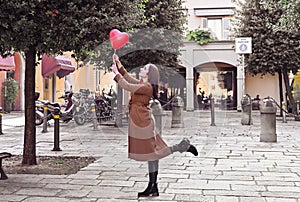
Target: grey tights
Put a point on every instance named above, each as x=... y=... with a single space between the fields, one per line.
x=183 y=146
x=153 y=166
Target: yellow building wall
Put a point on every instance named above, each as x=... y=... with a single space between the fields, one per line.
x=83 y=77
x=45 y=85
x=39 y=81
x=296 y=86
x=80 y=78
x=59 y=91
x=107 y=81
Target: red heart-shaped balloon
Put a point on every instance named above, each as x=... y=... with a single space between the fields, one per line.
x=118 y=39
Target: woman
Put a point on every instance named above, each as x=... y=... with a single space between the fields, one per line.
x=144 y=143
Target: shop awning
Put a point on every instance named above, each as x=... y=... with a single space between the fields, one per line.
x=7 y=64
x=60 y=64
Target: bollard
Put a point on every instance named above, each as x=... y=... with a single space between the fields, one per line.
x=45 y=118
x=246 y=110
x=212 y=111
x=177 y=113
x=284 y=112
x=157 y=112
x=297 y=117
x=1 y=121
x=268 y=121
x=56 y=130
x=95 y=121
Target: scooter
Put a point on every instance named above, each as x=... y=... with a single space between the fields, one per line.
x=39 y=110
x=65 y=112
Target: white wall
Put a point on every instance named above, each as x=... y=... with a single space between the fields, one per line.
x=193 y=21
x=264 y=86
x=208 y=3
x=194 y=55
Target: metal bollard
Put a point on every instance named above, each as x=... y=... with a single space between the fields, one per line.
x=1 y=121
x=283 y=112
x=157 y=112
x=45 y=120
x=268 y=121
x=212 y=111
x=95 y=122
x=56 y=130
x=177 y=113
x=246 y=110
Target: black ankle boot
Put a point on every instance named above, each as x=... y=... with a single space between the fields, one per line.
x=184 y=146
x=193 y=150
x=151 y=190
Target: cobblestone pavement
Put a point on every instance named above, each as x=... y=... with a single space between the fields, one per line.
x=233 y=165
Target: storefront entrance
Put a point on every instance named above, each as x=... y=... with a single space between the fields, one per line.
x=216 y=80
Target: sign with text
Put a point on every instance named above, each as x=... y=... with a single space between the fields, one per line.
x=243 y=45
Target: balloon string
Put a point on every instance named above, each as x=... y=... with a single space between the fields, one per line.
x=114 y=55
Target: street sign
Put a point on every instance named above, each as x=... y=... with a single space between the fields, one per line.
x=243 y=45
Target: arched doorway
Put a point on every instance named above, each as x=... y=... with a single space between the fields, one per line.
x=217 y=79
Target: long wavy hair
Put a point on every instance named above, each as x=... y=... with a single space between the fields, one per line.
x=153 y=79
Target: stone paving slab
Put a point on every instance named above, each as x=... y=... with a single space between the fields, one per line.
x=232 y=166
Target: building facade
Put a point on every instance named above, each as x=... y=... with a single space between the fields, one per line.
x=219 y=72
x=212 y=69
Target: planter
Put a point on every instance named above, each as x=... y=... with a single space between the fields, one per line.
x=10 y=93
x=7 y=106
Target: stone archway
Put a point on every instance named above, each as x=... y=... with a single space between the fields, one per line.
x=217 y=54
x=219 y=80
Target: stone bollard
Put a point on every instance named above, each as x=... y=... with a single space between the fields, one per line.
x=177 y=112
x=157 y=113
x=56 y=130
x=1 y=133
x=284 y=112
x=246 y=110
x=268 y=121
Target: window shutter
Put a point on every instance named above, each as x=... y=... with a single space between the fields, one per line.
x=204 y=23
x=226 y=28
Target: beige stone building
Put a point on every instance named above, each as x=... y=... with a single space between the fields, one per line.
x=217 y=64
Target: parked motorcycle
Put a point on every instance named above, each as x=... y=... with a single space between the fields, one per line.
x=39 y=110
x=65 y=111
x=83 y=107
x=104 y=109
x=83 y=110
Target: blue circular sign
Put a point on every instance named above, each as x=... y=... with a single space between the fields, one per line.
x=243 y=47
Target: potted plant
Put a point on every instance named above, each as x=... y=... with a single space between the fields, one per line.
x=10 y=93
